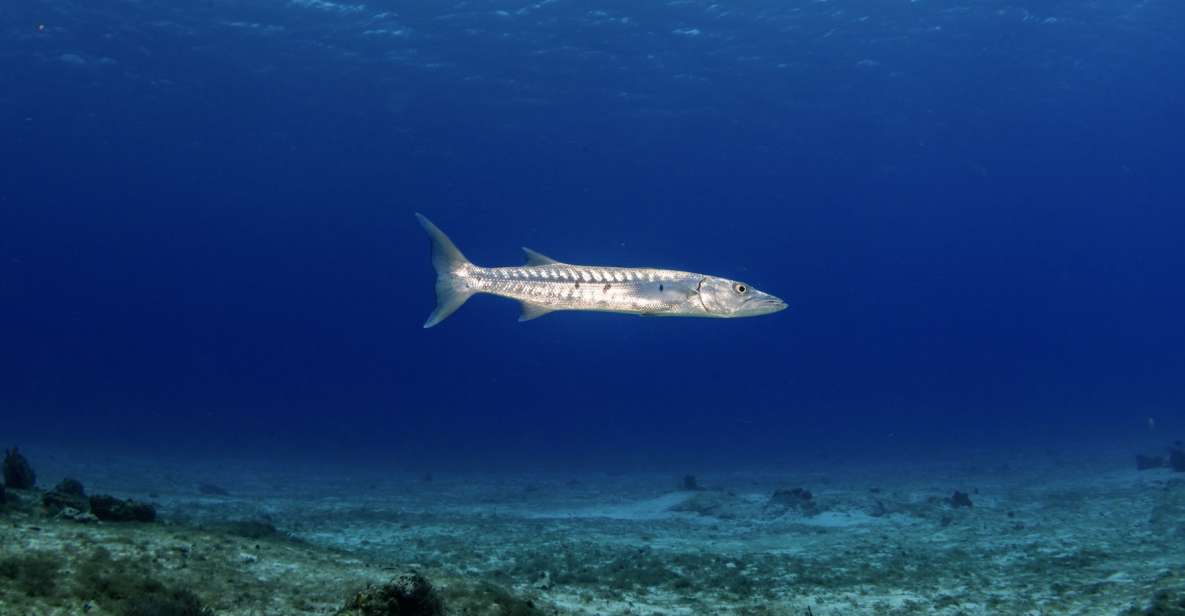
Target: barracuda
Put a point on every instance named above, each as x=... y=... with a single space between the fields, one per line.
x=545 y=285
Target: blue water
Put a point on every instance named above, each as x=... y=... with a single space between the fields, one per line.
x=973 y=208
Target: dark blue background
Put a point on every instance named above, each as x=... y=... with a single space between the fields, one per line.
x=974 y=211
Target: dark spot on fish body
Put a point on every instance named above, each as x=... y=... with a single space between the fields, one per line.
x=577 y=284
x=606 y=288
x=660 y=287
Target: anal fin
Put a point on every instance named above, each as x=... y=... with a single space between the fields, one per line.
x=533 y=311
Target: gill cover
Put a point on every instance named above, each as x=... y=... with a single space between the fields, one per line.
x=717 y=296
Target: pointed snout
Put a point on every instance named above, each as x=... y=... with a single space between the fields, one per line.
x=765 y=304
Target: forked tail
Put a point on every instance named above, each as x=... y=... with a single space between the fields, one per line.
x=451 y=289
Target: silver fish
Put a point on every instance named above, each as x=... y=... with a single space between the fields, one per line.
x=545 y=285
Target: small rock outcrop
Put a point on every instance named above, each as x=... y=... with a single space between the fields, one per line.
x=793 y=499
x=409 y=594
x=959 y=499
x=68 y=494
x=723 y=505
x=1177 y=460
x=261 y=528
x=1144 y=463
x=690 y=484
x=18 y=473
x=210 y=489
x=111 y=509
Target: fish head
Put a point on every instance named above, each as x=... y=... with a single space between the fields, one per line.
x=726 y=298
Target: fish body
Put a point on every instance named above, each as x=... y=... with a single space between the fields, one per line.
x=544 y=285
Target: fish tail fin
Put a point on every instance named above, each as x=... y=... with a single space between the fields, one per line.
x=451 y=289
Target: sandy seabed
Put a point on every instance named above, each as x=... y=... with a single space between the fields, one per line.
x=1055 y=538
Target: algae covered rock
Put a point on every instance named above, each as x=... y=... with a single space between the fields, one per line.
x=794 y=499
x=1177 y=460
x=959 y=499
x=18 y=474
x=409 y=594
x=111 y=509
x=68 y=494
x=1144 y=462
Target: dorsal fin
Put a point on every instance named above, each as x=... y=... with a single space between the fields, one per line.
x=535 y=258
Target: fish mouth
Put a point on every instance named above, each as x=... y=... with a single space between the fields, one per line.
x=774 y=305
x=765 y=305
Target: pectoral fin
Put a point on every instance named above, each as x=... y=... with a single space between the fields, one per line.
x=533 y=311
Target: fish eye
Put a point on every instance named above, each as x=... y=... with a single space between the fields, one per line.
x=739 y=288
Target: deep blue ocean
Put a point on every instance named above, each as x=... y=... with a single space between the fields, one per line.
x=974 y=210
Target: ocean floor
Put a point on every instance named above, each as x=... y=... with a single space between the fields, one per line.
x=1055 y=538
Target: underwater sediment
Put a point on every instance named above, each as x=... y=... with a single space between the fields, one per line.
x=1047 y=541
